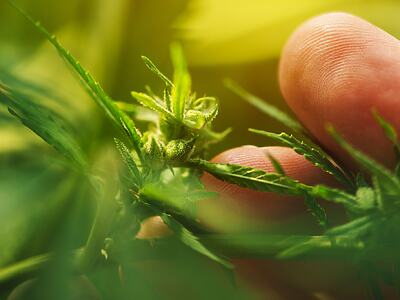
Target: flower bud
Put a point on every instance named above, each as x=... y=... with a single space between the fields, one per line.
x=177 y=149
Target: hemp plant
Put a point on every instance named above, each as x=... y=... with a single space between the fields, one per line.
x=160 y=176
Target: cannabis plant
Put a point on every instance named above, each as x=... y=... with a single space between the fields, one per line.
x=163 y=143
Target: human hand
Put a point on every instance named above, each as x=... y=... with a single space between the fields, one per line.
x=334 y=69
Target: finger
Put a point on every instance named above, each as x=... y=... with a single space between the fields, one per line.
x=286 y=278
x=268 y=206
x=334 y=69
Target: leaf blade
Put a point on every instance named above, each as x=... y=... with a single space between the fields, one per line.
x=264 y=107
x=152 y=67
x=190 y=240
x=312 y=153
x=181 y=82
x=45 y=123
x=389 y=181
x=92 y=86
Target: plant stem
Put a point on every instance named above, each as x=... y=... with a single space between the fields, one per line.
x=269 y=246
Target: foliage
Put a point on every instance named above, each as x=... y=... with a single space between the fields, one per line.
x=157 y=173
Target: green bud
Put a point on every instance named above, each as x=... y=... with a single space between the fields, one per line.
x=177 y=149
x=195 y=118
x=152 y=147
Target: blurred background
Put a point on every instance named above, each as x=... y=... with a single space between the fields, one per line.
x=238 y=39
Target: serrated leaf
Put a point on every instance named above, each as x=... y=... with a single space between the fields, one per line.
x=316 y=210
x=130 y=162
x=260 y=180
x=264 y=107
x=190 y=240
x=92 y=86
x=45 y=123
x=152 y=67
x=388 y=181
x=252 y=178
x=182 y=82
x=312 y=153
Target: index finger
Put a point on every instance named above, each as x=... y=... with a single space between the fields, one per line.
x=335 y=69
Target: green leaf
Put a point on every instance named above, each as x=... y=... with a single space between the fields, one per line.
x=130 y=162
x=353 y=229
x=260 y=180
x=264 y=107
x=92 y=86
x=190 y=240
x=138 y=112
x=274 y=246
x=45 y=123
x=304 y=247
x=316 y=210
x=333 y=195
x=152 y=103
x=168 y=199
x=277 y=166
x=343 y=236
x=152 y=67
x=388 y=181
x=182 y=82
x=252 y=178
x=389 y=131
x=379 y=197
x=312 y=153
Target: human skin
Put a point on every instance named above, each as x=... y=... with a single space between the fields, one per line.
x=334 y=69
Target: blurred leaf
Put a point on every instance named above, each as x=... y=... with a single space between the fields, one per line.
x=93 y=87
x=130 y=162
x=389 y=182
x=191 y=240
x=44 y=122
x=181 y=89
x=389 y=131
x=270 y=110
x=334 y=195
x=33 y=200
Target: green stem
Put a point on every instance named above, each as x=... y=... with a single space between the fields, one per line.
x=270 y=246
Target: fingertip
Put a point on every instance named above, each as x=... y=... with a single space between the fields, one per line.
x=335 y=68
